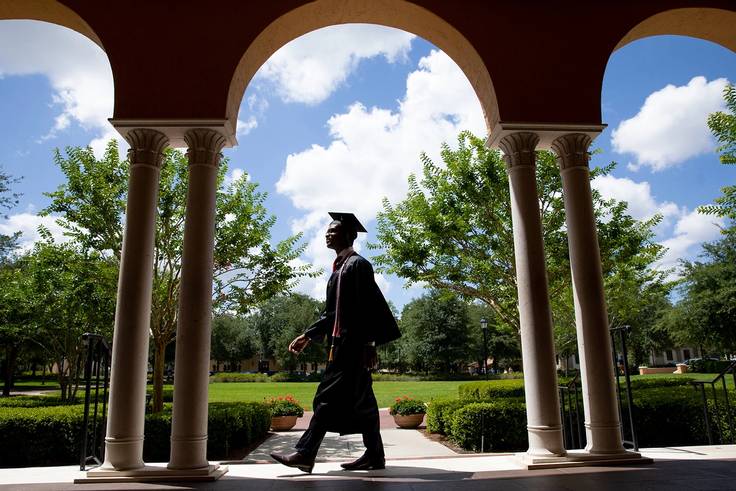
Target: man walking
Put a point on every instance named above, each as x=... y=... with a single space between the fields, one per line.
x=355 y=320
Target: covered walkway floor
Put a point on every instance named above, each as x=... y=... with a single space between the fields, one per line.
x=692 y=468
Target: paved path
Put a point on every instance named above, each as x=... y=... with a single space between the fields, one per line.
x=398 y=443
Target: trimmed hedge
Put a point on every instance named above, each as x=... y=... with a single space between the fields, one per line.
x=651 y=383
x=488 y=390
x=230 y=425
x=225 y=377
x=39 y=436
x=667 y=412
x=33 y=401
x=502 y=423
x=440 y=412
x=708 y=366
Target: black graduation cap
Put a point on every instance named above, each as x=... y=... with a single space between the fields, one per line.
x=348 y=220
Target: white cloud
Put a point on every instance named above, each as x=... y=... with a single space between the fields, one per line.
x=27 y=223
x=245 y=127
x=671 y=125
x=311 y=67
x=77 y=69
x=642 y=204
x=691 y=230
x=373 y=151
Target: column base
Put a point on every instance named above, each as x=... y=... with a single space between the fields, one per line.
x=580 y=458
x=152 y=473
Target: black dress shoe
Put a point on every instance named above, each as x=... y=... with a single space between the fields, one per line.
x=365 y=463
x=300 y=461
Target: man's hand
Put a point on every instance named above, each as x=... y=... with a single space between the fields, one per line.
x=370 y=357
x=299 y=343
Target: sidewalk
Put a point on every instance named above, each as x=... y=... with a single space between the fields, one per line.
x=398 y=444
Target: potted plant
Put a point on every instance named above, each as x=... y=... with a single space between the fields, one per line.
x=284 y=412
x=408 y=412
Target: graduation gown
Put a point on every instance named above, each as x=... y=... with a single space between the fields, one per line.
x=344 y=401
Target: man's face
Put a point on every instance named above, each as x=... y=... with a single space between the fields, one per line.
x=334 y=237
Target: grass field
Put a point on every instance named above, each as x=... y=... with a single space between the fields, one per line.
x=385 y=392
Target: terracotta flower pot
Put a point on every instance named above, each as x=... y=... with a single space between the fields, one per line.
x=409 y=421
x=283 y=423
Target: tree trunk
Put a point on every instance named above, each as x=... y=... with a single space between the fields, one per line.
x=158 y=376
x=11 y=356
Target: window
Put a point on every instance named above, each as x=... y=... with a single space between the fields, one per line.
x=686 y=354
x=668 y=354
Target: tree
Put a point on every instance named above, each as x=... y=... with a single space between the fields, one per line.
x=8 y=199
x=436 y=327
x=453 y=232
x=706 y=314
x=502 y=342
x=723 y=127
x=232 y=340
x=50 y=297
x=16 y=312
x=279 y=320
x=247 y=268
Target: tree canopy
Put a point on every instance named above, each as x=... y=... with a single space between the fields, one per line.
x=248 y=269
x=705 y=314
x=453 y=232
x=8 y=199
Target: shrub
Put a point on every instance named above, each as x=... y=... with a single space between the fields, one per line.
x=488 y=390
x=39 y=436
x=238 y=377
x=642 y=383
x=405 y=405
x=439 y=414
x=666 y=416
x=33 y=401
x=502 y=423
x=285 y=406
x=708 y=366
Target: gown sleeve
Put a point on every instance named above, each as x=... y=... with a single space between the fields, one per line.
x=321 y=327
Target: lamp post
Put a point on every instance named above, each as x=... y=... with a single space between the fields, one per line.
x=484 y=328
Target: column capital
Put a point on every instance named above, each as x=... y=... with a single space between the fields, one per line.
x=572 y=150
x=146 y=147
x=204 y=146
x=519 y=149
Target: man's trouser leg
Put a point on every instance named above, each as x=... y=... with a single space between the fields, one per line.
x=308 y=444
x=373 y=442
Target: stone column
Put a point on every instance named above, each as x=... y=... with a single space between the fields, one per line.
x=191 y=371
x=602 y=424
x=124 y=438
x=537 y=340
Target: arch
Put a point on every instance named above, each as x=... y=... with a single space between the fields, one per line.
x=391 y=13
x=49 y=11
x=709 y=24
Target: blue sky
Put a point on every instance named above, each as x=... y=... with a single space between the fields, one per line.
x=357 y=104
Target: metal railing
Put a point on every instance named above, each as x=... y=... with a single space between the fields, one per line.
x=573 y=432
x=97 y=371
x=722 y=417
x=622 y=332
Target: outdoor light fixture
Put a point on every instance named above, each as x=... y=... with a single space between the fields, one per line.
x=484 y=327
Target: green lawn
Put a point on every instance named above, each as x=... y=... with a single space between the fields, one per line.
x=385 y=392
